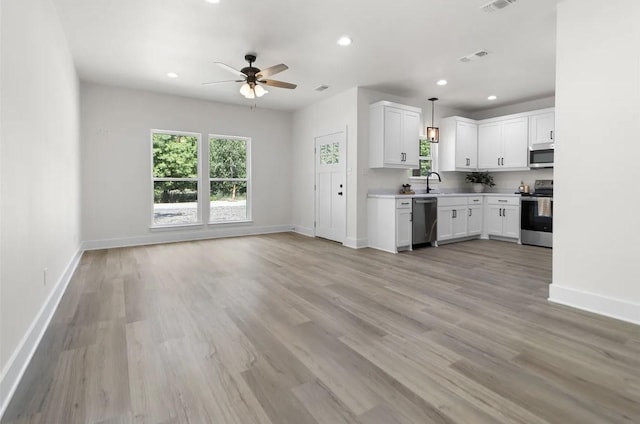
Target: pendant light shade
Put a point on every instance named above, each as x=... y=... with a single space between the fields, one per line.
x=246 y=91
x=433 y=132
x=251 y=91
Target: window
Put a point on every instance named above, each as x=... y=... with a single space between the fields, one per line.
x=228 y=178
x=427 y=159
x=175 y=178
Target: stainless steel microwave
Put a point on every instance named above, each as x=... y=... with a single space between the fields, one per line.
x=542 y=158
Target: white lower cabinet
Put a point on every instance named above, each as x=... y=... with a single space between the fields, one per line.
x=389 y=223
x=502 y=218
x=403 y=224
x=475 y=216
x=459 y=217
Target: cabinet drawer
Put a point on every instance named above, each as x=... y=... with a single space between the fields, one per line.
x=403 y=203
x=452 y=201
x=503 y=200
x=476 y=200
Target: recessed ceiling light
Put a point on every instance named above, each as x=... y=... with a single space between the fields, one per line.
x=442 y=82
x=492 y=97
x=172 y=75
x=213 y=1
x=344 y=41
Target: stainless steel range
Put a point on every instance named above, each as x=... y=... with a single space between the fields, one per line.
x=536 y=215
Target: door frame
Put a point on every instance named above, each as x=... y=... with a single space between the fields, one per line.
x=342 y=130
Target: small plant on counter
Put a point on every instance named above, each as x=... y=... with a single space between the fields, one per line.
x=480 y=178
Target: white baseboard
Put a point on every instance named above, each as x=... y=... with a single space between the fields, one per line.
x=305 y=231
x=17 y=364
x=178 y=236
x=356 y=243
x=591 y=302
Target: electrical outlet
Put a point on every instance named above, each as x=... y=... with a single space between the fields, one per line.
x=44 y=276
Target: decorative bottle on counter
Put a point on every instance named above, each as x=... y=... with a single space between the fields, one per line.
x=521 y=187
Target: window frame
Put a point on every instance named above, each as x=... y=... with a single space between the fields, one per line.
x=199 y=220
x=434 y=161
x=248 y=181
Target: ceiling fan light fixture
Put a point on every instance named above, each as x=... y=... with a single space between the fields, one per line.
x=259 y=90
x=246 y=91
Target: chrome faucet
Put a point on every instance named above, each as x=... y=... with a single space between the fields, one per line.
x=430 y=174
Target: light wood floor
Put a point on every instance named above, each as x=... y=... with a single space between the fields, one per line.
x=286 y=329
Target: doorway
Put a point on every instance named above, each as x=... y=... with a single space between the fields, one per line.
x=330 y=186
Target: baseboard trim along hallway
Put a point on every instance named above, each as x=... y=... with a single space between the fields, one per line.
x=592 y=302
x=17 y=365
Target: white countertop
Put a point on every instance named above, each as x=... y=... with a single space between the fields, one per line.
x=445 y=194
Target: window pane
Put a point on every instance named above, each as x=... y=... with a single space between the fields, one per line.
x=425 y=148
x=175 y=156
x=425 y=167
x=335 y=152
x=175 y=202
x=227 y=158
x=228 y=201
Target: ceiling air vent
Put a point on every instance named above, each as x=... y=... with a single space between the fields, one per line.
x=473 y=56
x=322 y=87
x=496 y=5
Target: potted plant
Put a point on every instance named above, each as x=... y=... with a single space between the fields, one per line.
x=480 y=180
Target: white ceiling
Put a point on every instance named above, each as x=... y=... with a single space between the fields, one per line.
x=401 y=47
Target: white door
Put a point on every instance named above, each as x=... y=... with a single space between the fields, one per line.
x=490 y=145
x=331 y=193
x=445 y=223
x=460 y=222
x=493 y=220
x=541 y=129
x=514 y=148
x=411 y=138
x=393 y=136
x=511 y=218
x=475 y=220
x=466 y=145
x=403 y=227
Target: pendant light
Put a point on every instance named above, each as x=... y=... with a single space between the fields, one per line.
x=433 y=133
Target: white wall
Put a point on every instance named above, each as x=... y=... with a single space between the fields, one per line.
x=40 y=175
x=596 y=242
x=116 y=166
x=337 y=113
x=526 y=106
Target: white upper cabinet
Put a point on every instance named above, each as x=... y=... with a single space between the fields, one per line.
x=489 y=145
x=458 y=147
x=502 y=144
x=394 y=131
x=542 y=128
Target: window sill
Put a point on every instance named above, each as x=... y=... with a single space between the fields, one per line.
x=176 y=227
x=224 y=223
x=423 y=179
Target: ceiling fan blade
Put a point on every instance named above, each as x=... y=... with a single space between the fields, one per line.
x=220 y=82
x=281 y=84
x=230 y=69
x=272 y=71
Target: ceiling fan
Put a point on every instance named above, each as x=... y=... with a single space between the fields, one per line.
x=253 y=78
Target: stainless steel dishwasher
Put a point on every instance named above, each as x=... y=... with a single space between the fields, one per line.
x=425 y=221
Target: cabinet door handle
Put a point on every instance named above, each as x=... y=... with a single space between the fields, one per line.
x=453 y=213
x=500 y=212
x=339 y=193
x=502 y=161
x=551 y=134
x=411 y=217
x=498 y=161
x=470 y=212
